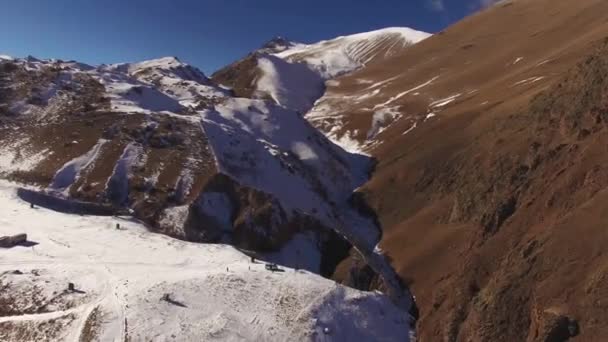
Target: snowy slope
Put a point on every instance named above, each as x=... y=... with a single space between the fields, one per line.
x=164 y=84
x=272 y=149
x=291 y=85
x=142 y=286
x=276 y=151
x=295 y=76
x=331 y=58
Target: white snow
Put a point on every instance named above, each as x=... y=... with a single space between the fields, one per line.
x=346 y=141
x=344 y=54
x=303 y=151
x=293 y=86
x=400 y=95
x=529 y=80
x=381 y=120
x=6 y=57
x=69 y=173
x=444 y=102
x=117 y=186
x=159 y=85
x=212 y=292
x=128 y=96
x=544 y=62
x=276 y=151
x=517 y=60
x=301 y=252
x=173 y=220
x=17 y=156
x=410 y=129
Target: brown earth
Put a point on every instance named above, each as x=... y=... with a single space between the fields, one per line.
x=495 y=209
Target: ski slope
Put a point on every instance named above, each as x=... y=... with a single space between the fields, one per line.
x=136 y=285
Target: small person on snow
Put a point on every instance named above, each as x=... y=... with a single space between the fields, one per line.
x=252 y=259
x=31 y=205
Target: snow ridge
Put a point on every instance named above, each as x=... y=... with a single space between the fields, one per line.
x=344 y=54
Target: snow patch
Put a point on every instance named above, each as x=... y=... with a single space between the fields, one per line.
x=70 y=171
x=294 y=86
x=173 y=220
x=16 y=156
x=410 y=129
x=529 y=80
x=444 y=102
x=400 y=95
x=303 y=151
x=517 y=60
x=341 y=55
x=381 y=120
x=301 y=252
x=117 y=187
x=131 y=97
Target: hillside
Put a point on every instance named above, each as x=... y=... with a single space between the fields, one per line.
x=490 y=180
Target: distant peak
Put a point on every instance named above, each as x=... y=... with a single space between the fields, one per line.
x=276 y=45
x=169 y=61
x=409 y=34
x=31 y=58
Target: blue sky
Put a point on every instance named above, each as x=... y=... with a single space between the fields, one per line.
x=206 y=33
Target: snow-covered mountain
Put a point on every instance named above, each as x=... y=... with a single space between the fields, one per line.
x=294 y=74
x=156 y=136
x=341 y=55
x=193 y=159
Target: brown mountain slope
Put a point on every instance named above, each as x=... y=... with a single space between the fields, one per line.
x=500 y=56
x=493 y=206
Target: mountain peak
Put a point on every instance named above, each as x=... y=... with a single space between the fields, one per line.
x=409 y=34
x=338 y=56
x=163 y=62
x=276 y=45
